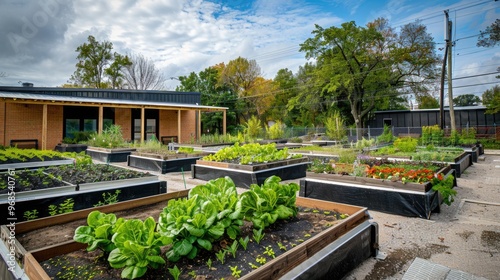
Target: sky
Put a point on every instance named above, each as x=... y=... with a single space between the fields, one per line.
x=38 y=38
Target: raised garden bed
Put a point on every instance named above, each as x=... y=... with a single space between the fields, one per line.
x=244 y=174
x=394 y=197
x=163 y=163
x=343 y=246
x=15 y=158
x=76 y=148
x=81 y=187
x=109 y=155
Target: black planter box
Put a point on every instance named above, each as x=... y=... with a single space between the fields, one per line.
x=161 y=165
x=84 y=196
x=109 y=155
x=76 y=148
x=244 y=178
x=392 y=200
x=461 y=164
x=474 y=153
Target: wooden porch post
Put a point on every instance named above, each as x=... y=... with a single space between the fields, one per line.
x=224 y=123
x=179 y=125
x=44 y=127
x=198 y=133
x=100 y=121
x=143 y=118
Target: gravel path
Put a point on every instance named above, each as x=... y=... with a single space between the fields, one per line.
x=464 y=236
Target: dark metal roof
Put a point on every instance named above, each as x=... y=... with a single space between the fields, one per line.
x=479 y=107
x=193 y=98
x=16 y=96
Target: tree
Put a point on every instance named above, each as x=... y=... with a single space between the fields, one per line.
x=142 y=74
x=491 y=36
x=491 y=98
x=94 y=58
x=466 y=100
x=427 y=102
x=241 y=76
x=286 y=88
x=212 y=94
x=367 y=64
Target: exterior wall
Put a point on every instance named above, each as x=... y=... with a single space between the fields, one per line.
x=54 y=126
x=24 y=121
x=123 y=118
x=188 y=127
x=168 y=125
x=2 y=123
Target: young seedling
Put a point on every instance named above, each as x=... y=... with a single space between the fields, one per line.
x=192 y=273
x=175 y=272
x=31 y=215
x=233 y=248
x=221 y=255
x=253 y=266
x=258 y=235
x=307 y=235
x=270 y=252
x=326 y=212
x=244 y=242
x=315 y=211
x=261 y=260
x=235 y=271
x=343 y=216
x=209 y=264
x=281 y=246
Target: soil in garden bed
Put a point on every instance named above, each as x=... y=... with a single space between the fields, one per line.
x=93 y=173
x=27 y=181
x=282 y=236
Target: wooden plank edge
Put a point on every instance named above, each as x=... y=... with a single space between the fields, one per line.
x=33 y=269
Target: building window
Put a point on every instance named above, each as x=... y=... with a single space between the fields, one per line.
x=150 y=128
x=72 y=126
x=90 y=125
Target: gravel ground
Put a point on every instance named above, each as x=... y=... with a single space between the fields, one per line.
x=464 y=236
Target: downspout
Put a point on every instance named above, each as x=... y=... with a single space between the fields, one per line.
x=4 y=123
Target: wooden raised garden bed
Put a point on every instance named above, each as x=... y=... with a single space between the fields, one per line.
x=109 y=155
x=244 y=175
x=343 y=246
x=406 y=199
x=162 y=164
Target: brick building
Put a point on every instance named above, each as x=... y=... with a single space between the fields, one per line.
x=48 y=115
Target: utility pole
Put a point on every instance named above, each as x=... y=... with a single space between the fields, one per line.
x=443 y=70
x=450 y=87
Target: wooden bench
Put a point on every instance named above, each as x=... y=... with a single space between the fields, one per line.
x=24 y=143
x=168 y=139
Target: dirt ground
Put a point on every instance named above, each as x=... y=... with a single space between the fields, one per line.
x=464 y=236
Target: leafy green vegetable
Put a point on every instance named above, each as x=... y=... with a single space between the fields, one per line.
x=263 y=205
x=137 y=248
x=98 y=232
x=195 y=222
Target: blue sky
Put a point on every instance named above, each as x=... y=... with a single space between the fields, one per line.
x=38 y=38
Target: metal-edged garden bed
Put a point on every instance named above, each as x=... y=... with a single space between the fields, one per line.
x=109 y=155
x=405 y=199
x=244 y=175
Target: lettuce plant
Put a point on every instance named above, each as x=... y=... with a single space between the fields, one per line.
x=138 y=246
x=263 y=205
x=195 y=222
x=99 y=231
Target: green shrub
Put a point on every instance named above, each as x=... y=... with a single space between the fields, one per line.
x=111 y=137
x=406 y=144
x=335 y=127
x=386 y=136
x=253 y=127
x=275 y=131
x=432 y=135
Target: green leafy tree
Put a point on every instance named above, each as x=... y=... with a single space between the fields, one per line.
x=491 y=98
x=491 y=36
x=365 y=64
x=94 y=60
x=427 y=102
x=212 y=94
x=335 y=127
x=466 y=100
x=286 y=84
